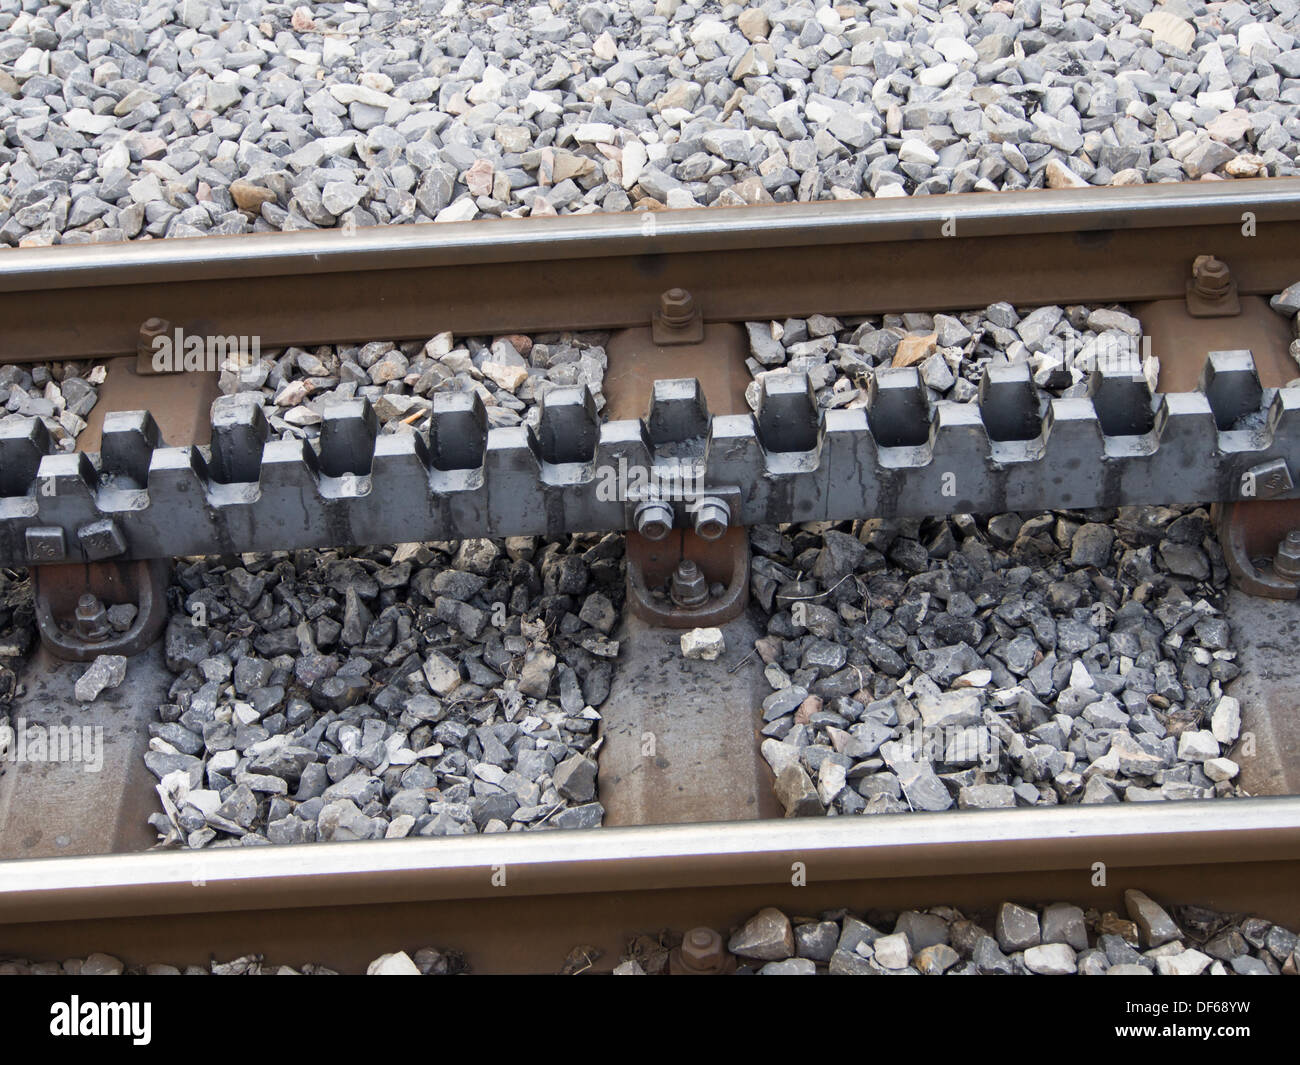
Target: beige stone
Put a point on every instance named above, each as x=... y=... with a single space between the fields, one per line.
x=915 y=349
x=250 y=197
x=1172 y=30
x=1060 y=176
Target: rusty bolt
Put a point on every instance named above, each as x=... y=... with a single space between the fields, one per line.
x=1286 y=563
x=702 y=951
x=676 y=307
x=150 y=330
x=688 y=587
x=1212 y=276
x=654 y=520
x=91 y=619
x=712 y=516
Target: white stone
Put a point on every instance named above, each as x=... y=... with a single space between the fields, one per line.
x=507 y=377
x=913 y=150
x=1080 y=677
x=461 y=211
x=955 y=50
x=1051 y=959
x=1186 y=963
x=703 y=644
x=1060 y=176
x=1170 y=29
x=634 y=162
x=938 y=75
x=831 y=778
x=1225 y=722
x=594 y=133
x=1197 y=745
x=361 y=94
x=709 y=29
x=398 y=964
x=1219 y=769
x=82 y=120
x=892 y=952
x=1251 y=36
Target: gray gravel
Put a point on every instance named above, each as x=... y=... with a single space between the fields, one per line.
x=1061 y=346
x=179 y=119
x=1055 y=940
x=436 y=689
x=1019 y=660
x=509 y=373
x=62 y=395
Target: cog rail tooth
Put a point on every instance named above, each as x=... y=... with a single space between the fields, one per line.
x=898 y=456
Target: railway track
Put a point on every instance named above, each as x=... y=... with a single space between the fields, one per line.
x=1210 y=421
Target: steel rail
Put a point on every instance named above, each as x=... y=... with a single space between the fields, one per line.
x=336 y=902
x=606 y=271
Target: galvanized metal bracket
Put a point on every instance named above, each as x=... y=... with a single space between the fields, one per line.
x=71 y=606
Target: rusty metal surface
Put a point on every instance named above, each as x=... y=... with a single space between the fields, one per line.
x=607 y=271
x=1267 y=634
x=343 y=904
x=179 y=402
x=636 y=362
x=57 y=590
x=1182 y=342
x=681 y=742
x=651 y=563
x=97 y=804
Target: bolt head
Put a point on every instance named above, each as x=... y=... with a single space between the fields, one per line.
x=1286 y=562
x=90 y=620
x=688 y=587
x=676 y=304
x=702 y=949
x=711 y=520
x=1211 y=274
x=653 y=520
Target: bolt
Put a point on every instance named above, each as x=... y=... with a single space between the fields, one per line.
x=150 y=330
x=676 y=307
x=702 y=951
x=1213 y=279
x=1286 y=563
x=712 y=516
x=91 y=619
x=688 y=587
x=654 y=520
